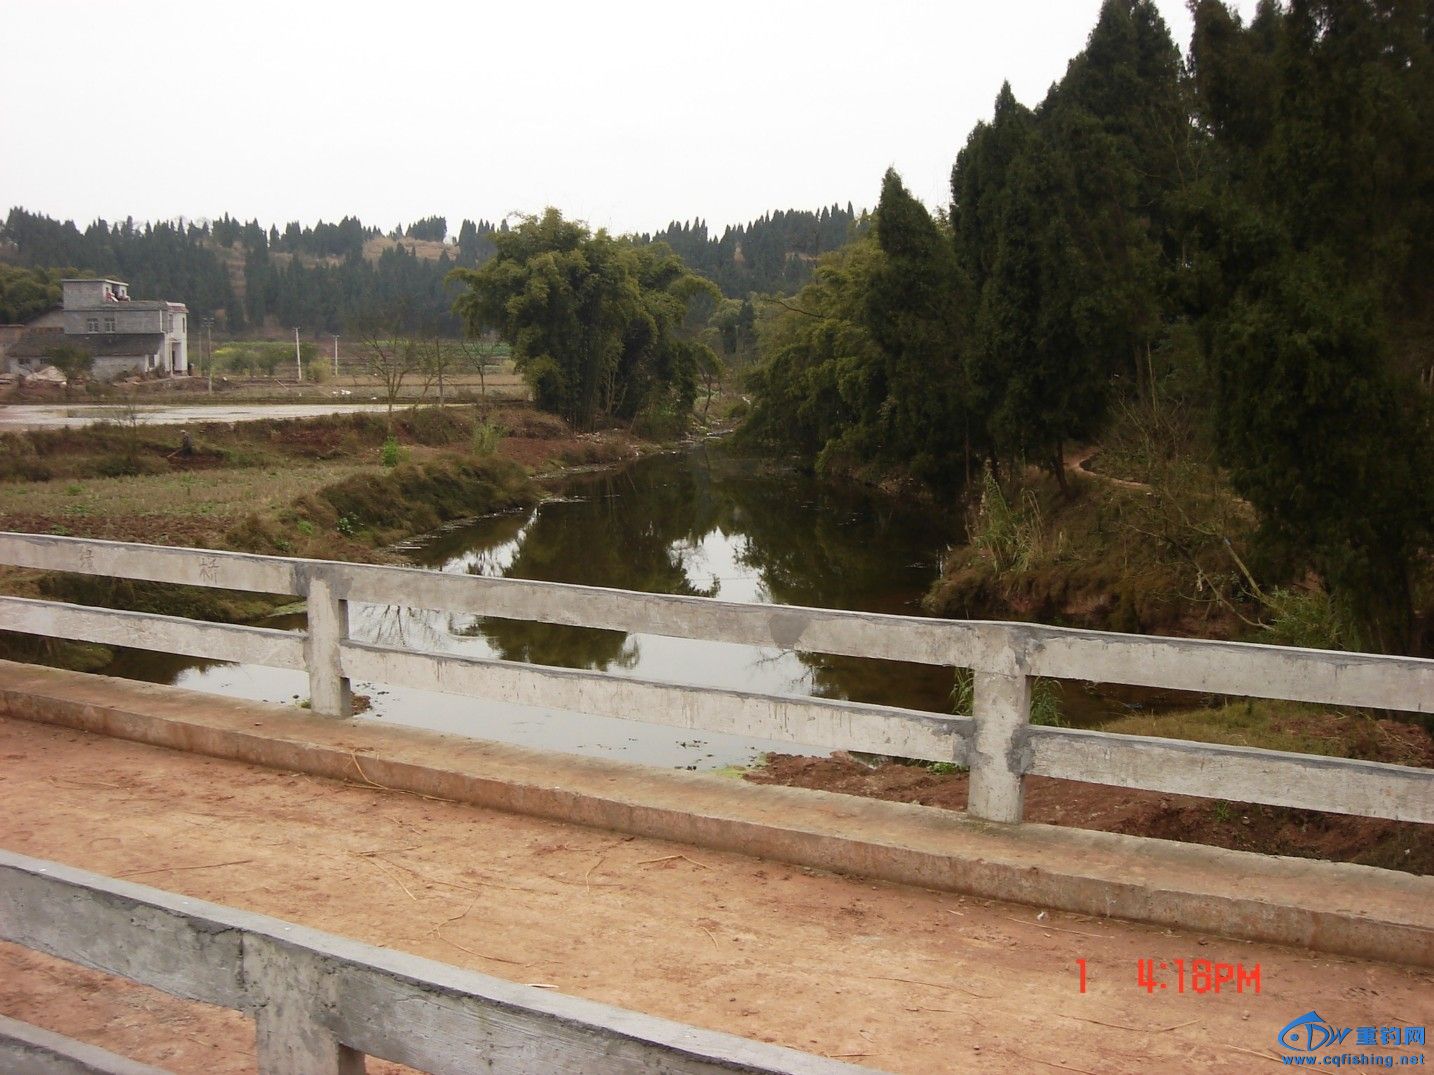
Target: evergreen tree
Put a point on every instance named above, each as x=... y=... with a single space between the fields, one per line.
x=915 y=308
x=1318 y=289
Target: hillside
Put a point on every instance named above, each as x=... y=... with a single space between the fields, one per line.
x=329 y=277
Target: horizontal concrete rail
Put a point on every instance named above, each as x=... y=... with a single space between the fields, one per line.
x=997 y=742
x=1366 y=680
x=816 y=630
x=155 y=563
x=321 y=1003
x=145 y=630
x=35 y=1051
x=902 y=733
x=1241 y=774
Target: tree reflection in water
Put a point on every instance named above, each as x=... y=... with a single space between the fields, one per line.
x=705 y=524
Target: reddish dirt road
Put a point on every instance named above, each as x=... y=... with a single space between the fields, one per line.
x=897 y=978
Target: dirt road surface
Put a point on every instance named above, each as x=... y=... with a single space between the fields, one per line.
x=897 y=978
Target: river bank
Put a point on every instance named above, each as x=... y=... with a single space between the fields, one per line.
x=346 y=486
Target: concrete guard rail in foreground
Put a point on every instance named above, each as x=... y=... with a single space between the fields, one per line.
x=322 y=1003
x=997 y=742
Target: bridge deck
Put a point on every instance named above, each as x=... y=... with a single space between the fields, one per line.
x=895 y=977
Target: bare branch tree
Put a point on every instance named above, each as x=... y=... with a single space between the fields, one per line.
x=478 y=354
x=390 y=356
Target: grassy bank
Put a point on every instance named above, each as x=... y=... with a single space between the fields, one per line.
x=339 y=487
x=1146 y=534
x=1106 y=552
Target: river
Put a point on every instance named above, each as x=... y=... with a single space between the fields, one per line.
x=705 y=523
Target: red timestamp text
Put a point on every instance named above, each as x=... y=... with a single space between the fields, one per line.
x=1199 y=976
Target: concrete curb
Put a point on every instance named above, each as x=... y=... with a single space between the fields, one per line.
x=1338 y=908
x=37 y=1051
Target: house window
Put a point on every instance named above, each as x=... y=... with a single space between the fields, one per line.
x=92 y=324
x=109 y=324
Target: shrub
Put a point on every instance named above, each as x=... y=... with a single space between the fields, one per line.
x=1309 y=618
x=1013 y=536
x=437 y=426
x=127 y=465
x=390 y=453
x=1045 y=699
x=660 y=421
x=487 y=435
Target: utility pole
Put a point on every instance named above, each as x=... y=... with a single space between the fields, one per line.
x=298 y=357
x=209 y=351
x=336 y=357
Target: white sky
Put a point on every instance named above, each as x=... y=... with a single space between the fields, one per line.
x=623 y=113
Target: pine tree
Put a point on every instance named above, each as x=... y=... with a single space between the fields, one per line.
x=914 y=310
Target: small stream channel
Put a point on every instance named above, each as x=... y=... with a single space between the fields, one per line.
x=704 y=522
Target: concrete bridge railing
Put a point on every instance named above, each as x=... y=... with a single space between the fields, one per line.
x=997 y=741
x=322 y=1003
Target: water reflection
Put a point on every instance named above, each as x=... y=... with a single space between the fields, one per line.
x=703 y=523
x=708 y=524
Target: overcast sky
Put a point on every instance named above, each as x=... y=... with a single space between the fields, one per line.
x=625 y=114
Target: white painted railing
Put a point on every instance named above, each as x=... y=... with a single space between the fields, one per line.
x=997 y=741
x=322 y=1003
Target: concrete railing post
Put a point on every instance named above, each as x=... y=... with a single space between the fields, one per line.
x=288 y=998
x=288 y=1040
x=328 y=628
x=1002 y=708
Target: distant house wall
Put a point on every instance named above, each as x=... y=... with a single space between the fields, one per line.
x=10 y=334
x=108 y=367
x=44 y=328
x=177 y=331
x=115 y=317
x=92 y=292
x=103 y=308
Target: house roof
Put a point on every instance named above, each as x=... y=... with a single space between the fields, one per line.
x=125 y=304
x=35 y=344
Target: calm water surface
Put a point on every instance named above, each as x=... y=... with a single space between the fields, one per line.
x=704 y=523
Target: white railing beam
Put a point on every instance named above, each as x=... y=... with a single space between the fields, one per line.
x=1000 y=746
x=785 y=627
x=149 y=631
x=1238 y=774
x=154 y=563
x=820 y=722
x=322 y=1002
x=1205 y=666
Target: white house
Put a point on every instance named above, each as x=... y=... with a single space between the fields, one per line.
x=122 y=334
